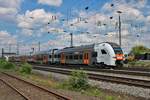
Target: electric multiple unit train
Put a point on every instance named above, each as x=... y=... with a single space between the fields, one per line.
x=105 y=53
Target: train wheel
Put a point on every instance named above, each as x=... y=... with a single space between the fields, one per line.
x=118 y=66
x=102 y=65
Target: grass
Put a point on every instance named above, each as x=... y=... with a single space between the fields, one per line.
x=93 y=91
x=145 y=64
x=78 y=82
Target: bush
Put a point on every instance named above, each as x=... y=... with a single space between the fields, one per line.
x=78 y=80
x=2 y=62
x=140 y=49
x=6 y=65
x=25 y=68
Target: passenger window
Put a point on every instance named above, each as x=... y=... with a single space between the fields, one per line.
x=94 y=54
x=66 y=57
x=103 y=51
x=80 y=56
x=75 y=56
x=70 y=56
x=59 y=56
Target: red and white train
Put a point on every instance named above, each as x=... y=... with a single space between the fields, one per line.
x=105 y=53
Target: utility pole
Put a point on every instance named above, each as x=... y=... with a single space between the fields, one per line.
x=71 y=42
x=39 y=46
x=119 y=12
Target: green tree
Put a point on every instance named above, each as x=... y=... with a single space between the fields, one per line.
x=140 y=49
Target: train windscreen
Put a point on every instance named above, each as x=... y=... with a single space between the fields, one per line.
x=117 y=48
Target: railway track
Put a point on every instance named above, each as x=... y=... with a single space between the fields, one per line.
x=125 y=71
x=13 y=92
x=115 y=79
x=29 y=90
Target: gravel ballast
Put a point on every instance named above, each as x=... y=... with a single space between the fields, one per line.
x=7 y=93
x=119 y=88
x=32 y=92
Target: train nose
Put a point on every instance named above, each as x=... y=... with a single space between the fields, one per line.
x=119 y=63
x=119 y=57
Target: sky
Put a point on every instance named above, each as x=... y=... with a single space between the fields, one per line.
x=25 y=23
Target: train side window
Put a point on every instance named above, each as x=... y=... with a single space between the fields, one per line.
x=70 y=56
x=103 y=51
x=94 y=54
x=58 y=55
x=66 y=57
x=55 y=56
x=81 y=56
x=75 y=56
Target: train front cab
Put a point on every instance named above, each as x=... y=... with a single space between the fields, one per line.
x=109 y=55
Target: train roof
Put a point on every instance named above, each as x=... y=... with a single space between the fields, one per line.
x=85 y=47
x=76 y=48
x=112 y=44
x=42 y=52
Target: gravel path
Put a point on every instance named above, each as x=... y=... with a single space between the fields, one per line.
x=129 y=90
x=7 y=93
x=32 y=92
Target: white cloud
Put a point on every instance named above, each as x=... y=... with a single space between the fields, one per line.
x=133 y=23
x=51 y=2
x=6 y=37
x=129 y=11
x=9 y=9
x=36 y=21
x=124 y=33
x=136 y=3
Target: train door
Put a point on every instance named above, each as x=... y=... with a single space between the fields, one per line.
x=86 y=58
x=45 y=59
x=62 y=58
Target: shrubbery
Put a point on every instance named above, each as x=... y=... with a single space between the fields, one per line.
x=9 y=65
x=25 y=68
x=6 y=65
x=78 y=81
